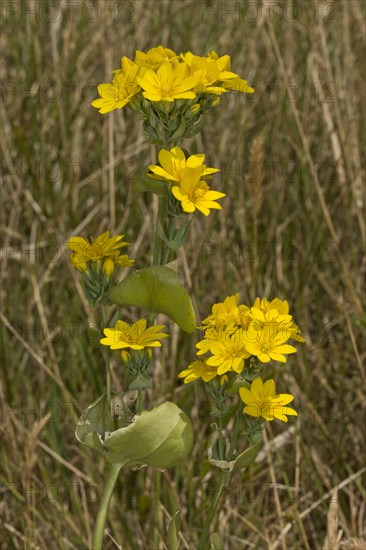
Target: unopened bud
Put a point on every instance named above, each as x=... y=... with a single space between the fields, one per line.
x=108 y=267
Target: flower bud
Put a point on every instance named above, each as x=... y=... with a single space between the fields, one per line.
x=108 y=267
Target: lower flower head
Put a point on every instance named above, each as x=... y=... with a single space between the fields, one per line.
x=262 y=401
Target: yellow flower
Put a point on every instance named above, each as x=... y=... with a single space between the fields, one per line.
x=261 y=400
x=169 y=83
x=282 y=307
x=123 y=261
x=196 y=370
x=229 y=354
x=209 y=72
x=194 y=193
x=119 y=93
x=155 y=57
x=228 y=314
x=135 y=336
x=213 y=334
x=104 y=246
x=237 y=85
x=224 y=60
x=267 y=343
x=264 y=305
x=173 y=162
x=226 y=80
x=271 y=318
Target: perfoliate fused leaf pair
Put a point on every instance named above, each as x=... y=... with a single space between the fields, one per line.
x=160 y=438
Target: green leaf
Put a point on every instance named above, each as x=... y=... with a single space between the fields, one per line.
x=142 y=183
x=237 y=383
x=173 y=529
x=246 y=458
x=160 y=438
x=216 y=542
x=157 y=290
x=242 y=461
x=140 y=382
x=179 y=235
x=93 y=424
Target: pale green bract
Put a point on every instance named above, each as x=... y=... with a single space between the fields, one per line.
x=160 y=438
x=157 y=290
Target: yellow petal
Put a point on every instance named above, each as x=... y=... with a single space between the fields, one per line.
x=246 y=396
x=178 y=193
x=257 y=387
x=252 y=410
x=269 y=388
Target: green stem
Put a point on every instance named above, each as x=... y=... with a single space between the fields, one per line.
x=97 y=543
x=107 y=369
x=170 y=235
x=215 y=501
x=236 y=432
x=157 y=522
x=221 y=442
x=158 y=241
x=140 y=400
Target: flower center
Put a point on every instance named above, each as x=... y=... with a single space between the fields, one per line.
x=166 y=90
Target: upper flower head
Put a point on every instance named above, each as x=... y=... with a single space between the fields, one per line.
x=116 y=95
x=169 y=83
x=173 y=162
x=261 y=400
x=160 y=75
x=135 y=336
x=102 y=248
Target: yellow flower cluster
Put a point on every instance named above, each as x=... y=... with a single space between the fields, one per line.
x=184 y=175
x=234 y=332
x=104 y=251
x=161 y=75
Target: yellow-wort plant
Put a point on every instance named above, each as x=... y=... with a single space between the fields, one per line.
x=172 y=93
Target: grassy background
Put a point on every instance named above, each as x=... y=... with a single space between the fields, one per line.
x=292 y=226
